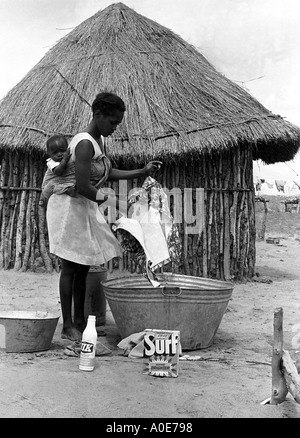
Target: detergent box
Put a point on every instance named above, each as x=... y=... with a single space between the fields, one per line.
x=161 y=352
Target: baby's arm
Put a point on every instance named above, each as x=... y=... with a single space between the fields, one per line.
x=59 y=169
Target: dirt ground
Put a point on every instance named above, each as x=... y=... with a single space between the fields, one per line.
x=231 y=380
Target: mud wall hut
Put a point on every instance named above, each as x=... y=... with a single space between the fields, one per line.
x=206 y=129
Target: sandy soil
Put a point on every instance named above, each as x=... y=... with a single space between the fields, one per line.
x=231 y=380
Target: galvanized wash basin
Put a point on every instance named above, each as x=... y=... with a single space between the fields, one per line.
x=26 y=331
x=193 y=305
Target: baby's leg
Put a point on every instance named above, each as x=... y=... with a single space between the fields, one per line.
x=47 y=191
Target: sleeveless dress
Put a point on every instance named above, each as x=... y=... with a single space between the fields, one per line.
x=77 y=230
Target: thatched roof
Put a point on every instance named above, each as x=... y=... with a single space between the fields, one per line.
x=177 y=103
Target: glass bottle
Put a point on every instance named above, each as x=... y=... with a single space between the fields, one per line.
x=88 y=345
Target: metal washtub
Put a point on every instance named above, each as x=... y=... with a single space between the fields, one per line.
x=25 y=331
x=193 y=305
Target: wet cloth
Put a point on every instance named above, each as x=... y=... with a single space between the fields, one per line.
x=149 y=231
x=133 y=345
x=74 y=349
x=77 y=230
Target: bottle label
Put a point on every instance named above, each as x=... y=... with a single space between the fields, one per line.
x=87 y=356
x=87 y=347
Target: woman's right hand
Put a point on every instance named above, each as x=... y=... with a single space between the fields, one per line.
x=152 y=167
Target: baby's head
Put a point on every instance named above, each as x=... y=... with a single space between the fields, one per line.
x=57 y=145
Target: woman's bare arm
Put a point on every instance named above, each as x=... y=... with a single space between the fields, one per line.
x=84 y=152
x=149 y=169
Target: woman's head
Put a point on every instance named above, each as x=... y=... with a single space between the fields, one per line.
x=107 y=103
x=108 y=112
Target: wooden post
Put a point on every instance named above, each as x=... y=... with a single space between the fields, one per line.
x=263 y=226
x=279 y=388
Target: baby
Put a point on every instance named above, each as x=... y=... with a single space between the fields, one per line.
x=59 y=155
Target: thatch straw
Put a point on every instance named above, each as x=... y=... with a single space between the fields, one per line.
x=177 y=103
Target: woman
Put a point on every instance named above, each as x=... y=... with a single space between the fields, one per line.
x=76 y=234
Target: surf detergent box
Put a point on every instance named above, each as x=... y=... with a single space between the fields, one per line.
x=161 y=352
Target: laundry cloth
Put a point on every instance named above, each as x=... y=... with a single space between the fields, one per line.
x=133 y=345
x=148 y=231
x=75 y=348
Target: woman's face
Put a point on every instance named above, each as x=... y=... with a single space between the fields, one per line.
x=107 y=124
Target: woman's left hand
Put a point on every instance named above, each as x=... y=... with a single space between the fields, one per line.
x=152 y=167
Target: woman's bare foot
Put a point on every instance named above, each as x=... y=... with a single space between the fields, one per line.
x=71 y=333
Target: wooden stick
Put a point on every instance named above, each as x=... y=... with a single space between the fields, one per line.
x=279 y=388
x=11 y=250
x=262 y=232
x=37 y=189
x=8 y=212
x=33 y=221
x=185 y=238
x=28 y=229
x=216 y=223
x=200 y=217
x=16 y=176
x=209 y=228
x=226 y=225
x=233 y=229
x=226 y=238
x=42 y=241
x=2 y=178
x=4 y=166
x=203 y=237
x=291 y=376
x=22 y=213
x=244 y=239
